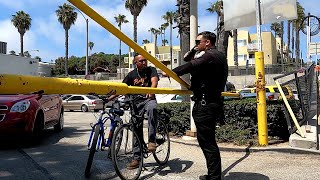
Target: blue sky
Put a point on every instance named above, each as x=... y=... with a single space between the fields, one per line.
x=47 y=35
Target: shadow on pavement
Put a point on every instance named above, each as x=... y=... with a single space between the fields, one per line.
x=174 y=166
x=245 y=176
x=238 y=161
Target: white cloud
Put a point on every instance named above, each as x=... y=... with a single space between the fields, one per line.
x=49 y=28
x=9 y=34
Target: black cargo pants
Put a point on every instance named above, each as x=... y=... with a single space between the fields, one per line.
x=205 y=118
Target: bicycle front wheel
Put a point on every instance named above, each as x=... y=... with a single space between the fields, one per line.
x=92 y=150
x=125 y=148
x=162 y=153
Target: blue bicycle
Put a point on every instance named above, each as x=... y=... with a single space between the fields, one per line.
x=97 y=138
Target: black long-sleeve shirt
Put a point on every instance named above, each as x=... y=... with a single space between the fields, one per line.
x=209 y=74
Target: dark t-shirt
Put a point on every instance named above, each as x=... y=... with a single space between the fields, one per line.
x=142 y=78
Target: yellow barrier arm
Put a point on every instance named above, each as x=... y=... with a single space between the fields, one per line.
x=108 y=26
x=289 y=109
x=19 y=84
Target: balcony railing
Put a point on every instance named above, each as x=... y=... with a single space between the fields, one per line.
x=166 y=56
x=252 y=47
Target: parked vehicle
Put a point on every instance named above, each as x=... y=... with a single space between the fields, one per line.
x=286 y=89
x=168 y=98
x=30 y=114
x=252 y=93
x=84 y=103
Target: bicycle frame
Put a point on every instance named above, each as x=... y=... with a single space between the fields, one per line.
x=101 y=121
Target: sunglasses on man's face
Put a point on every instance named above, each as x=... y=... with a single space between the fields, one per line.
x=198 y=42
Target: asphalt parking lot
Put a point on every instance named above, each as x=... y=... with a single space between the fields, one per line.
x=63 y=156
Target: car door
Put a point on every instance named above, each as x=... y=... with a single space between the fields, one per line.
x=75 y=102
x=46 y=104
x=55 y=106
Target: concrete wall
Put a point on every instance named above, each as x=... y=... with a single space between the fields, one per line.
x=238 y=81
x=18 y=65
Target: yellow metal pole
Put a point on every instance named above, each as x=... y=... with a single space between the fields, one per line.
x=261 y=100
x=116 y=32
x=18 y=84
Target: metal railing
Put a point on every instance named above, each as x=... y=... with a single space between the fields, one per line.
x=302 y=83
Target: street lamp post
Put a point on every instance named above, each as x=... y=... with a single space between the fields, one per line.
x=87 y=41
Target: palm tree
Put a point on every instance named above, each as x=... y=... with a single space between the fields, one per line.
x=155 y=32
x=297 y=23
x=145 y=41
x=67 y=17
x=288 y=39
x=91 y=44
x=135 y=7
x=222 y=35
x=278 y=31
x=150 y=30
x=281 y=43
x=22 y=22
x=164 y=42
x=169 y=17
x=276 y=28
x=120 y=19
x=162 y=31
x=235 y=48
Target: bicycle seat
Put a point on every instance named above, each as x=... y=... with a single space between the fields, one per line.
x=119 y=112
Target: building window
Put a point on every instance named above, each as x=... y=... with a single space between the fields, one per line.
x=175 y=61
x=242 y=42
x=242 y=57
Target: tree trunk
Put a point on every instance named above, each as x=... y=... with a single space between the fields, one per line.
x=155 y=40
x=281 y=46
x=171 y=45
x=292 y=42
x=66 y=58
x=21 y=44
x=222 y=45
x=235 y=48
x=135 y=29
x=120 y=55
x=288 y=34
x=297 y=45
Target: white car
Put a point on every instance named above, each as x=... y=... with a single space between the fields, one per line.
x=168 y=98
x=82 y=102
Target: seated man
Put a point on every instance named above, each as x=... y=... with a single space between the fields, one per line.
x=144 y=76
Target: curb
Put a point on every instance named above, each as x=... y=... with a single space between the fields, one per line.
x=290 y=150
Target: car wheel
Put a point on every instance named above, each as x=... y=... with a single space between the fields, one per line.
x=38 y=126
x=59 y=127
x=84 y=108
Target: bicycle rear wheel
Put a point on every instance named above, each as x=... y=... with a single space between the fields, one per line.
x=92 y=150
x=162 y=153
x=123 y=150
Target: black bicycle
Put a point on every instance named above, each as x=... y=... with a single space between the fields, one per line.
x=126 y=144
x=97 y=139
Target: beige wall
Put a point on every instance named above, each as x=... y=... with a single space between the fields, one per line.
x=269 y=47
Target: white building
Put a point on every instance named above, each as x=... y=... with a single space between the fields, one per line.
x=10 y=64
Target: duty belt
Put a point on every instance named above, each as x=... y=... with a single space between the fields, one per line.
x=202 y=100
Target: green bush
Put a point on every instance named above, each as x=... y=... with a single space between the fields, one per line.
x=240 y=120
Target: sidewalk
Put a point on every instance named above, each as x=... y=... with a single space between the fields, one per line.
x=276 y=147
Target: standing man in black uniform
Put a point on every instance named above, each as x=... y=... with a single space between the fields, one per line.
x=209 y=70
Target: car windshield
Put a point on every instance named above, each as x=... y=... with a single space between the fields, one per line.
x=92 y=97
